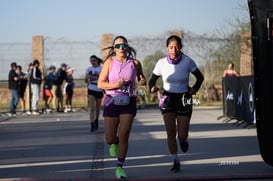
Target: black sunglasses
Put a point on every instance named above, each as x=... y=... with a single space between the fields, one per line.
x=121 y=45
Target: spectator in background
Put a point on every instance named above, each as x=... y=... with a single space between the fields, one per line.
x=28 y=88
x=36 y=80
x=48 y=93
x=57 y=87
x=13 y=86
x=68 y=89
x=22 y=84
x=230 y=71
x=94 y=93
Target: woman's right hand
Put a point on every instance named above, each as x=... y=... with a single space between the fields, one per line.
x=119 y=83
x=154 y=89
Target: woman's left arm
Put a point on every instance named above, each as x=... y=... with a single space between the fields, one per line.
x=140 y=76
x=199 y=79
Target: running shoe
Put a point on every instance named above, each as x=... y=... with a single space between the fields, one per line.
x=120 y=174
x=113 y=150
x=10 y=114
x=184 y=146
x=96 y=124
x=36 y=113
x=176 y=166
x=92 y=129
x=48 y=110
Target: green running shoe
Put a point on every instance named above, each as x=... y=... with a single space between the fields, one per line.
x=120 y=174
x=113 y=150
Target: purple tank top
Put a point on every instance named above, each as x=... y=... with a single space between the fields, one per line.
x=125 y=71
x=230 y=75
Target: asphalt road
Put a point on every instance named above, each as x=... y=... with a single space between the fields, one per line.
x=60 y=146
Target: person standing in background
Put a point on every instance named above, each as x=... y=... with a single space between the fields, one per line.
x=22 y=84
x=68 y=89
x=36 y=80
x=13 y=86
x=48 y=93
x=94 y=93
x=28 y=88
x=57 y=87
x=230 y=71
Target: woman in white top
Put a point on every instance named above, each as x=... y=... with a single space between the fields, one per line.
x=176 y=100
x=94 y=93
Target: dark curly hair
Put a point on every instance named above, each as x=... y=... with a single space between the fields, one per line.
x=131 y=50
x=36 y=62
x=95 y=57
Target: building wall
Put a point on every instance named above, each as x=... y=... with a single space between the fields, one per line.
x=246 y=55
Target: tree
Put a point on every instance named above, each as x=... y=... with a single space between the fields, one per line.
x=150 y=61
x=228 y=51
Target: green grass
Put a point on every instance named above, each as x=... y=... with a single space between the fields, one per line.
x=211 y=103
x=75 y=104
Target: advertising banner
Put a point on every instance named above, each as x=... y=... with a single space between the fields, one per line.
x=238 y=98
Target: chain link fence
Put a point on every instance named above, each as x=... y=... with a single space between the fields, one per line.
x=202 y=48
x=76 y=53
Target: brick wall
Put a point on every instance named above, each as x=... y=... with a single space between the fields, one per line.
x=245 y=55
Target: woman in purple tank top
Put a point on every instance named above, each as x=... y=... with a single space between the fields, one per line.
x=230 y=71
x=119 y=73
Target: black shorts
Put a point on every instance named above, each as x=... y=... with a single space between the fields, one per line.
x=21 y=93
x=180 y=104
x=96 y=94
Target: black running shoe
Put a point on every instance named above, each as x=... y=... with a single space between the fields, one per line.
x=92 y=129
x=184 y=146
x=96 y=124
x=176 y=166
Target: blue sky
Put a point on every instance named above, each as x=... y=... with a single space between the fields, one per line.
x=88 y=19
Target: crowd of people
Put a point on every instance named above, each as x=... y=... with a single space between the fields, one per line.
x=25 y=87
x=113 y=85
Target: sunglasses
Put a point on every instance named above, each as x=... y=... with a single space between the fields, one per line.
x=121 y=45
